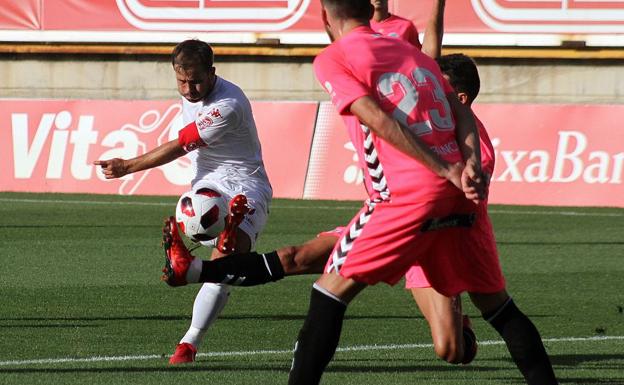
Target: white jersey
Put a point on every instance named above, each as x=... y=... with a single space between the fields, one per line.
x=232 y=156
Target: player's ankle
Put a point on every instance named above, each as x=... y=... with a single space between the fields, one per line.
x=194 y=271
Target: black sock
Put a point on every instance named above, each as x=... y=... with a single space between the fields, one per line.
x=248 y=269
x=524 y=343
x=317 y=340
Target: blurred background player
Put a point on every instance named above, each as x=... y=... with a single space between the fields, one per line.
x=220 y=130
x=392 y=25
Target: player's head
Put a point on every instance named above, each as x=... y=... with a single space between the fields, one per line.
x=340 y=13
x=192 y=62
x=461 y=72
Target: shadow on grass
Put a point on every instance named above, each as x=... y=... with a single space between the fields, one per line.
x=234 y=317
x=51 y=325
x=209 y=366
x=166 y=369
x=566 y=243
x=580 y=359
x=585 y=380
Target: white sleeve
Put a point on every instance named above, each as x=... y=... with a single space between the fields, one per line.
x=215 y=119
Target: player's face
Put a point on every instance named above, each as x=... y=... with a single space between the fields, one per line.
x=194 y=83
x=462 y=96
x=380 y=5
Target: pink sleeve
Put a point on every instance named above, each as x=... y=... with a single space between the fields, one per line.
x=339 y=82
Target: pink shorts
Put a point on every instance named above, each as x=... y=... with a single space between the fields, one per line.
x=382 y=242
x=478 y=270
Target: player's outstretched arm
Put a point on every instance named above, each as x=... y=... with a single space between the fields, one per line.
x=432 y=42
x=388 y=129
x=165 y=153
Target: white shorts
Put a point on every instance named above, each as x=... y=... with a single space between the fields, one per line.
x=258 y=198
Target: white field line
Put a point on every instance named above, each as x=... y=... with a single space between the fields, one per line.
x=278 y=352
x=294 y=207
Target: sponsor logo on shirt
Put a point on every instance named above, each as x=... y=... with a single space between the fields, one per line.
x=204 y=121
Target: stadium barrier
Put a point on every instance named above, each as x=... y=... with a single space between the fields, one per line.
x=555 y=155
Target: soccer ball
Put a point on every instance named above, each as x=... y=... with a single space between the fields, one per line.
x=201 y=214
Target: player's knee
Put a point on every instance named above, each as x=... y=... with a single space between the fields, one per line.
x=287 y=258
x=448 y=350
x=301 y=259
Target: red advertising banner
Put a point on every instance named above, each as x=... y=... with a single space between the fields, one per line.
x=497 y=22
x=25 y=14
x=285 y=130
x=556 y=155
x=518 y=16
x=552 y=155
x=559 y=155
x=334 y=172
x=50 y=145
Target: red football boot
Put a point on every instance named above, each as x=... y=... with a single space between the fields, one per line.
x=177 y=257
x=238 y=209
x=184 y=354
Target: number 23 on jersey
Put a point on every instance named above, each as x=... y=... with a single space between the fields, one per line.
x=407 y=96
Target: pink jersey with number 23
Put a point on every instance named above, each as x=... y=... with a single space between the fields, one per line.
x=409 y=86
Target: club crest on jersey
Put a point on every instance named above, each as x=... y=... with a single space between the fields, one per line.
x=204 y=121
x=215 y=113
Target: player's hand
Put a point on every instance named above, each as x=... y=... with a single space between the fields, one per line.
x=112 y=168
x=474 y=183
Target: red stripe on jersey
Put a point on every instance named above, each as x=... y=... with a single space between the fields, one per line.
x=189 y=138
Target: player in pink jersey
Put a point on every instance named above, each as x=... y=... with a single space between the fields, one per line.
x=394 y=102
x=485 y=282
x=388 y=24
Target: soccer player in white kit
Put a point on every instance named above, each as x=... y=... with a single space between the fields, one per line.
x=227 y=158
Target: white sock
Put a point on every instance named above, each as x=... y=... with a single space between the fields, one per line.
x=209 y=303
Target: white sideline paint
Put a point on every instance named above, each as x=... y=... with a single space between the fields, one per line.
x=277 y=352
x=295 y=207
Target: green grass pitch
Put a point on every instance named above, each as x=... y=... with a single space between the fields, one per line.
x=82 y=302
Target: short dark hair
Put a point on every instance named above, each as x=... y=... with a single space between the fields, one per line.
x=462 y=72
x=193 y=53
x=350 y=9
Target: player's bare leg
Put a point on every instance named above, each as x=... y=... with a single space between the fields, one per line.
x=212 y=297
x=451 y=331
x=520 y=334
x=319 y=336
x=308 y=258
